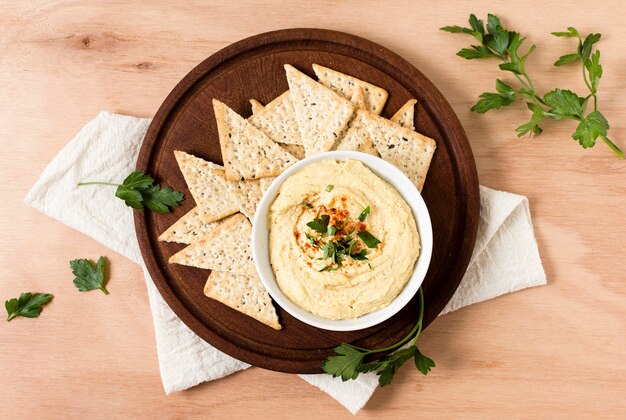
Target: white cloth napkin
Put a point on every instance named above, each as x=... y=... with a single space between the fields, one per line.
x=505 y=259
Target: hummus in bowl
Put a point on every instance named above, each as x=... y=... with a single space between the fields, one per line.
x=342 y=240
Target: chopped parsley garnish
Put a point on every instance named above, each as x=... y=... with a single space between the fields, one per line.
x=338 y=239
x=305 y=204
x=370 y=240
x=364 y=214
x=320 y=224
x=312 y=240
x=329 y=187
x=360 y=256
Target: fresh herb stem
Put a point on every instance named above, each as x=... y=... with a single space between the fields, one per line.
x=415 y=332
x=80 y=184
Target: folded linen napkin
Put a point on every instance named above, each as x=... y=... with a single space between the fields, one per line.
x=505 y=258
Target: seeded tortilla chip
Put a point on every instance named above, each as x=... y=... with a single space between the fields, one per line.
x=295 y=149
x=321 y=114
x=357 y=138
x=190 y=228
x=256 y=106
x=245 y=294
x=248 y=153
x=277 y=119
x=411 y=152
x=345 y=85
x=211 y=193
x=225 y=248
x=250 y=193
x=406 y=114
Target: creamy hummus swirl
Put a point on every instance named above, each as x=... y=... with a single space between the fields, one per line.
x=346 y=287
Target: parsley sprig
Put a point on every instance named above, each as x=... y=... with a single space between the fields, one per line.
x=140 y=190
x=348 y=360
x=497 y=42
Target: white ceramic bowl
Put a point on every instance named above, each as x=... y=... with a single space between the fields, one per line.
x=386 y=171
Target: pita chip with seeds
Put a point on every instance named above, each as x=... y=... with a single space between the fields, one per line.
x=190 y=228
x=256 y=106
x=295 y=149
x=375 y=97
x=250 y=193
x=321 y=114
x=225 y=248
x=247 y=152
x=210 y=192
x=277 y=119
x=411 y=152
x=357 y=138
x=358 y=98
x=406 y=114
x=245 y=294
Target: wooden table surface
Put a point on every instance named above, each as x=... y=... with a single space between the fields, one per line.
x=557 y=350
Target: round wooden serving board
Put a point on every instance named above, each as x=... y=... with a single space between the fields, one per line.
x=253 y=68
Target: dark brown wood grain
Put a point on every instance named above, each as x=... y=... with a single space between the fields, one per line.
x=253 y=68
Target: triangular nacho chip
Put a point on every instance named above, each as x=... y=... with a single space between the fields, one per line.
x=210 y=193
x=248 y=153
x=245 y=294
x=278 y=120
x=225 y=248
x=190 y=228
x=256 y=106
x=406 y=114
x=411 y=152
x=345 y=85
x=357 y=138
x=321 y=113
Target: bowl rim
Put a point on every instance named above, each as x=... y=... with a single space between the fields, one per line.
x=407 y=190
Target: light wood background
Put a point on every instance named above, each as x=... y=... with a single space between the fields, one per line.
x=555 y=351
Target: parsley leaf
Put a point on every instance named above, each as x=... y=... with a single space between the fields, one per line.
x=160 y=199
x=457 y=30
x=476 y=51
x=329 y=187
x=564 y=103
x=571 y=32
x=532 y=125
x=319 y=224
x=370 y=240
x=139 y=190
x=89 y=276
x=595 y=71
x=566 y=59
x=360 y=256
x=364 y=213
x=27 y=305
x=423 y=363
x=312 y=240
x=305 y=204
x=346 y=363
x=488 y=101
x=590 y=128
